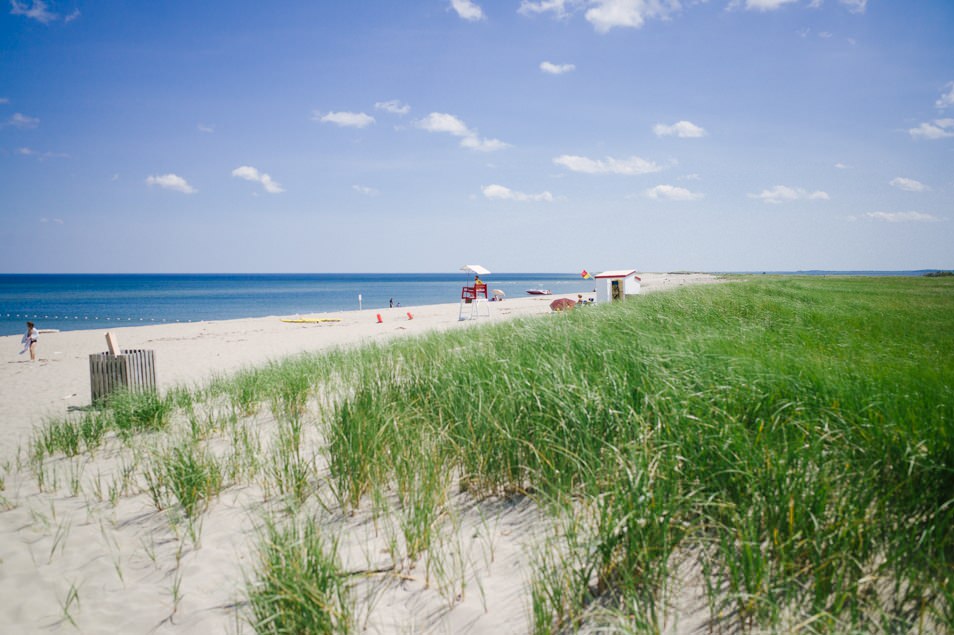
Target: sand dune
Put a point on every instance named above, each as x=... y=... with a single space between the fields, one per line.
x=87 y=550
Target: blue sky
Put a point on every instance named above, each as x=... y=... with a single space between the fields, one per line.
x=416 y=136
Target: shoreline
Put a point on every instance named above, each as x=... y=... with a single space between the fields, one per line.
x=62 y=319
x=192 y=353
x=98 y=301
x=72 y=530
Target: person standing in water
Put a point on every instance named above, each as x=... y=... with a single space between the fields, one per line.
x=29 y=340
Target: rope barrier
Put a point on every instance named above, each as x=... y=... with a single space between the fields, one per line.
x=37 y=316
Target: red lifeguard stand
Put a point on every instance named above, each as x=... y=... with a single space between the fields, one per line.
x=473 y=297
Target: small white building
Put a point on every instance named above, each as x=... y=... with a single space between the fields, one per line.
x=616 y=285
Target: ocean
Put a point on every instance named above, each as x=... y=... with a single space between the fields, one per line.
x=68 y=302
x=93 y=301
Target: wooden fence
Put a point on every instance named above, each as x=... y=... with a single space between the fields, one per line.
x=133 y=370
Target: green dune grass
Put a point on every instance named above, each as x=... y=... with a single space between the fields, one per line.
x=789 y=439
x=795 y=434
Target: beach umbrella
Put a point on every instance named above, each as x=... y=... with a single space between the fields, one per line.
x=562 y=304
x=475 y=269
x=498 y=292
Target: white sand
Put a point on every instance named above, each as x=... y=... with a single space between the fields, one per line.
x=132 y=572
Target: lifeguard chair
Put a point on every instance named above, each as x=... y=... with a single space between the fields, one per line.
x=474 y=296
x=471 y=299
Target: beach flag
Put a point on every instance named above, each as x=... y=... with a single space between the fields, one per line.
x=586 y=274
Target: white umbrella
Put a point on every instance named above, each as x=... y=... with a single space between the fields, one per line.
x=498 y=292
x=475 y=269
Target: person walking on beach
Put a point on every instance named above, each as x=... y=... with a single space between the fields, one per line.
x=29 y=341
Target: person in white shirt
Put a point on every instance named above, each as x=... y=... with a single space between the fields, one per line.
x=29 y=341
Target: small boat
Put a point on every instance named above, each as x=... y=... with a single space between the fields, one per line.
x=539 y=292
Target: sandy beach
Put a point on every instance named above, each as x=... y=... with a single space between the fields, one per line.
x=72 y=560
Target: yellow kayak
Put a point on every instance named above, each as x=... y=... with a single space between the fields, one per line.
x=309 y=320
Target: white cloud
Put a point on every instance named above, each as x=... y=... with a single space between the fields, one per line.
x=630 y=166
x=393 y=106
x=909 y=185
x=783 y=194
x=58 y=221
x=171 y=182
x=443 y=122
x=19 y=120
x=902 y=217
x=499 y=192
x=467 y=10
x=938 y=129
x=36 y=11
x=30 y=152
x=842 y=166
x=556 y=69
x=249 y=173
x=202 y=127
x=4 y=100
x=608 y=14
x=363 y=189
x=855 y=6
x=605 y=15
x=72 y=16
x=345 y=119
x=946 y=100
x=672 y=193
x=483 y=145
x=681 y=129
x=557 y=7
x=763 y=5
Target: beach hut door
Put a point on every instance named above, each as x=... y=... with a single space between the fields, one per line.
x=616 y=293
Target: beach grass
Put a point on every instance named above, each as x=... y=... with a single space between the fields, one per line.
x=298 y=585
x=186 y=474
x=799 y=432
x=788 y=439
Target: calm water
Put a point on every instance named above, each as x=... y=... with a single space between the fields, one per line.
x=92 y=301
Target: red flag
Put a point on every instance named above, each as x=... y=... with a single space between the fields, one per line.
x=586 y=274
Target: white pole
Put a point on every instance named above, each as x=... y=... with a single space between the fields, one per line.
x=359 y=301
